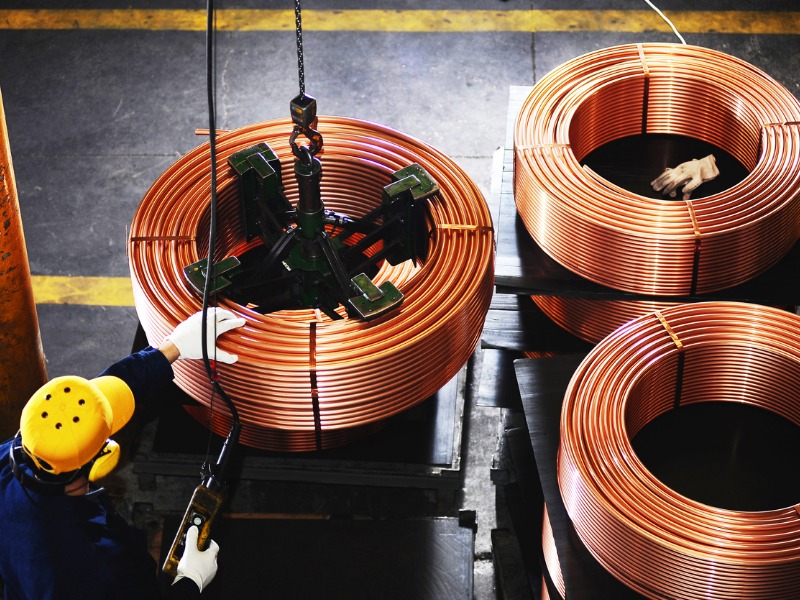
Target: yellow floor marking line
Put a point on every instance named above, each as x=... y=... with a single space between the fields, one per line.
x=88 y=291
x=117 y=291
x=749 y=22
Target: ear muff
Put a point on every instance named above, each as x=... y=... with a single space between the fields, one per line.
x=24 y=470
x=16 y=456
x=105 y=462
x=20 y=462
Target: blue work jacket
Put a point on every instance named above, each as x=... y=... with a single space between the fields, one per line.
x=59 y=547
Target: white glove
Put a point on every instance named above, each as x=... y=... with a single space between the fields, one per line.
x=691 y=173
x=187 y=335
x=198 y=565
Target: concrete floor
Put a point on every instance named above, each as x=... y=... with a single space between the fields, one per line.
x=96 y=114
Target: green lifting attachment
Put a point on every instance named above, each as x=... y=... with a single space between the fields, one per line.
x=403 y=208
x=263 y=203
x=310 y=257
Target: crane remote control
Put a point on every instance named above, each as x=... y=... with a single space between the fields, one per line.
x=202 y=510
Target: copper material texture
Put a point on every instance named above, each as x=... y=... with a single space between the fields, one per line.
x=658 y=542
x=304 y=382
x=22 y=364
x=668 y=247
x=550 y=555
x=593 y=319
x=540 y=353
x=544 y=593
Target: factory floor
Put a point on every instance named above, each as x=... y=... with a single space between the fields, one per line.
x=99 y=103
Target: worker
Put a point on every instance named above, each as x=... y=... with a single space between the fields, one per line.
x=690 y=174
x=60 y=537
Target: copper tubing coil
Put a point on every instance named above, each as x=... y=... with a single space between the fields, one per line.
x=592 y=319
x=550 y=555
x=540 y=353
x=617 y=238
x=302 y=381
x=544 y=594
x=658 y=542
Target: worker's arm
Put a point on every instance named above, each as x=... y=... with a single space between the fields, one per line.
x=145 y=372
x=149 y=370
x=169 y=350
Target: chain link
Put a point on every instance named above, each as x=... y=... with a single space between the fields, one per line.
x=299 y=32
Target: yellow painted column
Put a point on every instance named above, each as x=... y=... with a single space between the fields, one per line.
x=22 y=365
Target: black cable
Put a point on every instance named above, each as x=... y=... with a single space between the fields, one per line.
x=233 y=436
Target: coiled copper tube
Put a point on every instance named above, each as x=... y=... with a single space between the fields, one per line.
x=593 y=319
x=539 y=353
x=550 y=555
x=305 y=382
x=650 y=246
x=653 y=539
x=544 y=593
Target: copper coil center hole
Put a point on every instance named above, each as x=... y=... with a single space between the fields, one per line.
x=633 y=162
x=606 y=133
x=726 y=455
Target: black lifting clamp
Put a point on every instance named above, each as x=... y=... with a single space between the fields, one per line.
x=312 y=257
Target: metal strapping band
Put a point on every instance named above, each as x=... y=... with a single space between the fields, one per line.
x=646 y=93
x=696 y=256
x=163 y=238
x=456 y=227
x=312 y=372
x=681 y=360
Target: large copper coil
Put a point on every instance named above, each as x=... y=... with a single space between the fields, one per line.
x=593 y=319
x=303 y=381
x=540 y=353
x=658 y=542
x=550 y=555
x=544 y=594
x=650 y=246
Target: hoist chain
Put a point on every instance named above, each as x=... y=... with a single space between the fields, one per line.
x=303 y=108
x=298 y=25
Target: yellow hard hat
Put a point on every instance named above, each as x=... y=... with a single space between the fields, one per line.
x=67 y=422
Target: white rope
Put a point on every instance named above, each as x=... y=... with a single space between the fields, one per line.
x=663 y=16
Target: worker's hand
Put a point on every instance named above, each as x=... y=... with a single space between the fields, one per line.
x=187 y=336
x=198 y=565
x=689 y=175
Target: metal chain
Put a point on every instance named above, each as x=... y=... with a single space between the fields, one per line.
x=299 y=33
x=303 y=108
